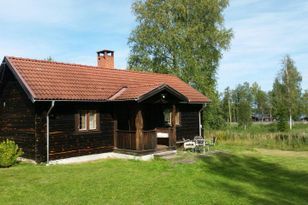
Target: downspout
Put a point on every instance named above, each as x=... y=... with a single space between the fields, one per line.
x=200 y=121
x=47 y=130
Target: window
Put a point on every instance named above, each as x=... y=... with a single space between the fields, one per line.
x=92 y=120
x=168 y=117
x=88 y=120
x=83 y=120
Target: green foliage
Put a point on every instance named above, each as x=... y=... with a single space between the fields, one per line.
x=286 y=94
x=282 y=119
x=304 y=103
x=243 y=101
x=261 y=103
x=244 y=114
x=184 y=38
x=265 y=136
x=226 y=105
x=50 y=59
x=240 y=104
x=213 y=116
x=9 y=152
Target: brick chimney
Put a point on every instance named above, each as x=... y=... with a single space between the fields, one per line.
x=105 y=59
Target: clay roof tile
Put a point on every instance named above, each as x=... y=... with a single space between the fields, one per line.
x=63 y=81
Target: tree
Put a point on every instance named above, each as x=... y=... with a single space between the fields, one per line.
x=288 y=82
x=243 y=102
x=214 y=114
x=304 y=110
x=50 y=59
x=227 y=105
x=259 y=100
x=181 y=37
x=279 y=106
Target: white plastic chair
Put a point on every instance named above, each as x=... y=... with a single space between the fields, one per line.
x=189 y=145
x=200 y=142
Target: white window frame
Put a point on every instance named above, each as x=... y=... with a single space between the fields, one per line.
x=177 y=117
x=88 y=126
x=83 y=113
x=94 y=119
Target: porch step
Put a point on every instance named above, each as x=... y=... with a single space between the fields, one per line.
x=165 y=154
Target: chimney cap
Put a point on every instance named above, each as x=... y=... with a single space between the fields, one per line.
x=105 y=51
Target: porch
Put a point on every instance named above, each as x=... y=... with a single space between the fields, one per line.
x=148 y=125
x=146 y=141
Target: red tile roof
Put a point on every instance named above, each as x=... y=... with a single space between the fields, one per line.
x=46 y=80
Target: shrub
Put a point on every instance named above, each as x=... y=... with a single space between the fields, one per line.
x=282 y=124
x=9 y=152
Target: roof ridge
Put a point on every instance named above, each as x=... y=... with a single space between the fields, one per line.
x=89 y=66
x=50 y=62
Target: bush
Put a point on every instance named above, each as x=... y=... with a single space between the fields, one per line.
x=9 y=152
x=282 y=124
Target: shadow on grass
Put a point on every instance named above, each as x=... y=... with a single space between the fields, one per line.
x=258 y=181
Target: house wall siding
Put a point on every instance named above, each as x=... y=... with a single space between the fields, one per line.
x=67 y=141
x=17 y=115
x=189 y=127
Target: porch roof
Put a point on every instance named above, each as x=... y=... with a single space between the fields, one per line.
x=45 y=80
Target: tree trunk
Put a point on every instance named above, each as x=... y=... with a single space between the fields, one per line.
x=230 y=116
x=291 y=122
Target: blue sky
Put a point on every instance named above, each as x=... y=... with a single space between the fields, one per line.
x=73 y=30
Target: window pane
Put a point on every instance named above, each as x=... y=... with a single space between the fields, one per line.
x=92 y=120
x=167 y=116
x=83 y=121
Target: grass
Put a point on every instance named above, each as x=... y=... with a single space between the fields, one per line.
x=235 y=176
x=267 y=127
x=265 y=136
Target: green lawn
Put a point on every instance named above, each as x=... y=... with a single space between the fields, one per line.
x=237 y=176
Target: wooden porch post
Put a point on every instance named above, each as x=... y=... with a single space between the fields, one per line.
x=172 y=138
x=139 y=130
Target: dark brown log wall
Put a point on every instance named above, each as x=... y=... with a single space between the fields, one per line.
x=189 y=127
x=17 y=116
x=67 y=141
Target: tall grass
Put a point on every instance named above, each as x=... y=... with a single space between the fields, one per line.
x=265 y=136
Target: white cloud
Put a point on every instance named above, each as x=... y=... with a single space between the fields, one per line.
x=69 y=31
x=73 y=30
x=261 y=39
x=35 y=11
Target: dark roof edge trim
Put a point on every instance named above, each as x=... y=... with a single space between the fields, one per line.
x=159 y=89
x=20 y=79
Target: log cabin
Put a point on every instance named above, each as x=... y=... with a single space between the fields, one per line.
x=58 y=110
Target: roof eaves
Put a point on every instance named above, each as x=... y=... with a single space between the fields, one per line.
x=160 y=88
x=20 y=79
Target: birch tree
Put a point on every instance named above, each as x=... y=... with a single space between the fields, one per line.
x=182 y=37
x=289 y=81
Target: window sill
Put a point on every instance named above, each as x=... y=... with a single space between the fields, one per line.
x=80 y=132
